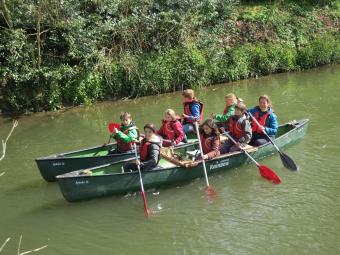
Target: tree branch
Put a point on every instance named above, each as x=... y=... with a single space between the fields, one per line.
x=4 y=143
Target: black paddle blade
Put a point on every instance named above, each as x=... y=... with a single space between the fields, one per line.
x=288 y=162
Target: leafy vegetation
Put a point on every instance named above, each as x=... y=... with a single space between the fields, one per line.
x=56 y=53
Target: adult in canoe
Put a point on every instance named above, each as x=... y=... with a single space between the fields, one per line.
x=239 y=128
x=149 y=150
x=171 y=130
x=126 y=135
x=210 y=139
x=229 y=110
x=193 y=110
x=266 y=119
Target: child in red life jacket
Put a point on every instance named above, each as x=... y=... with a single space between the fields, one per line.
x=193 y=110
x=171 y=130
x=229 y=110
x=127 y=134
x=267 y=119
x=239 y=128
x=210 y=139
x=149 y=150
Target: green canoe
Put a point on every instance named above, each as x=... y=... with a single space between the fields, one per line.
x=108 y=179
x=63 y=163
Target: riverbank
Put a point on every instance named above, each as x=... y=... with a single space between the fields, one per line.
x=76 y=53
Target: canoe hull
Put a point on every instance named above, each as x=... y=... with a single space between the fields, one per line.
x=75 y=187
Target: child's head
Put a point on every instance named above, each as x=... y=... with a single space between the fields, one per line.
x=240 y=109
x=264 y=102
x=209 y=127
x=170 y=115
x=188 y=95
x=125 y=118
x=230 y=99
x=149 y=131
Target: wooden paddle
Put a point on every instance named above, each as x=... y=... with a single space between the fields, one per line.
x=146 y=210
x=209 y=190
x=265 y=171
x=287 y=161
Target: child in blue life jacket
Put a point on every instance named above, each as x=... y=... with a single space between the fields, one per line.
x=266 y=119
x=193 y=111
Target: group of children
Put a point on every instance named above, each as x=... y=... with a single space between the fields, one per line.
x=236 y=119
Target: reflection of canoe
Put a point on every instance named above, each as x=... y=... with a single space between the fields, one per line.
x=108 y=179
x=58 y=164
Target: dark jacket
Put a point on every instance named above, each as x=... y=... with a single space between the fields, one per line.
x=153 y=156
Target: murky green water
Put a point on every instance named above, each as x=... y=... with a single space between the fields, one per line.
x=251 y=216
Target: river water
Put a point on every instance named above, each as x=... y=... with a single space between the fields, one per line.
x=250 y=216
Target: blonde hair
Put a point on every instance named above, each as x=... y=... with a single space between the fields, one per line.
x=232 y=96
x=171 y=113
x=188 y=93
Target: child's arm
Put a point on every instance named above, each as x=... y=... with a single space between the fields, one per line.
x=215 y=149
x=129 y=137
x=271 y=129
x=179 y=132
x=195 y=111
x=224 y=118
x=248 y=132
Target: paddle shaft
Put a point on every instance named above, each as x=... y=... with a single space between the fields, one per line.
x=201 y=151
x=141 y=182
x=232 y=139
x=264 y=132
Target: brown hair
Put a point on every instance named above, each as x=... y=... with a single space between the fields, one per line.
x=125 y=115
x=212 y=124
x=188 y=93
x=267 y=99
x=242 y=107
x=150 y=126
x=232 y=96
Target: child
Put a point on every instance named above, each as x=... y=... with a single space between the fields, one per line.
x=193 y=110
x=229 y=110
x=127 y=134
x=267 y=119
x=239 y=128
x=210 y=140
x=171 y=130
x=149 y=150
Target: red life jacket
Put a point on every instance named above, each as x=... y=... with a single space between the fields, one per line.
x=123 y=146
x=235 y=127
x=207 y=143
x=261 y=121
x=187 y=111
x=168 y=129
x=144 y=149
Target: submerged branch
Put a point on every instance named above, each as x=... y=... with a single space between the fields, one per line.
x=3 y=245
x=4 y=143
x=26 y=252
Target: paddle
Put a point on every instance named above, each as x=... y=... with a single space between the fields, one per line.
x=209 y=190
x=287 y=161
x=265 y=171
x=146 y=210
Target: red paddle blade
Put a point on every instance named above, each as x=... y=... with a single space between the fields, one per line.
x=210 y=193
x=147 y=212
x=112 y=126
x=269 y=174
